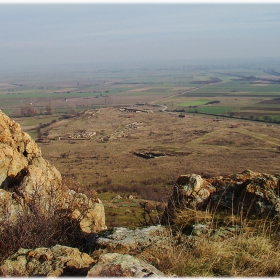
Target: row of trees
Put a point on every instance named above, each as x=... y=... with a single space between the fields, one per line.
x=30 y=111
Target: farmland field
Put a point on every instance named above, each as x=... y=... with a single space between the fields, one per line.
x=180 y=86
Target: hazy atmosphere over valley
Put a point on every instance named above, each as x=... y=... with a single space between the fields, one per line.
x=46 y=34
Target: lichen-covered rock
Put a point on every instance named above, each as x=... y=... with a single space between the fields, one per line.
x=217 y=233
x=221 y=233
x=132 y=241
x=53 y=262
x=27 y=179
x=248 y=193
x=118 y=265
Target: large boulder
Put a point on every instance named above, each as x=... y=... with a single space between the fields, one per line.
x=28 y=181
x=247 y=193
x=52 y=262
x=131 y=241
x=118 y=265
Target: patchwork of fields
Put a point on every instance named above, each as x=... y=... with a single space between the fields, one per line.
x=249 y=92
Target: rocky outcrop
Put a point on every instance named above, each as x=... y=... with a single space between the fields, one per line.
x=52 y=262
x=248 y=193
x=131 y=241
x=64 y=261
x=251 y=192
x=27 y=180
x=118 y=265
x=143 y=243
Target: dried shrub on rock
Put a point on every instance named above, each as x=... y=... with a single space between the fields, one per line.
x=42 y=224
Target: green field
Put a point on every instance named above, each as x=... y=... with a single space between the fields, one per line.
x=240 y=88
x=193 y=103
x=216 y=110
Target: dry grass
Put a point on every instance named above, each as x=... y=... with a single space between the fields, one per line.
x=240 y=256
x=243 y=255
x=186 y=218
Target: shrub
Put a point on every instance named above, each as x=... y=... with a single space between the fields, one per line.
x=28 y=111
x=42 y=224
x=151 y=213
x=36 y=229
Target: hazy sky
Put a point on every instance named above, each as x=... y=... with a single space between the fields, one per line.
x=72 y=33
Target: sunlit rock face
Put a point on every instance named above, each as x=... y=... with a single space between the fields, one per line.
x=27 y=180
x=123 y=265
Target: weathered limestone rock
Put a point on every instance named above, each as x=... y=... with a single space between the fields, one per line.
x=248 y=192
x=130 y=241
x=194 y=190
x=145 y=243
x=251 y=192
x=118 y=265
x=91 y=211
x=53 y=262
x=27 y=179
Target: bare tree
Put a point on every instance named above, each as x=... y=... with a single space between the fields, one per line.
x=28 y=111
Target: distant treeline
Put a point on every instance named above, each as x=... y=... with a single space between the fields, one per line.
x=213 y=102
x=213 y=80
x=272 y=72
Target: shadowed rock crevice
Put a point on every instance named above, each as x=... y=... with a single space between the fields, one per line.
x=11 y=184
